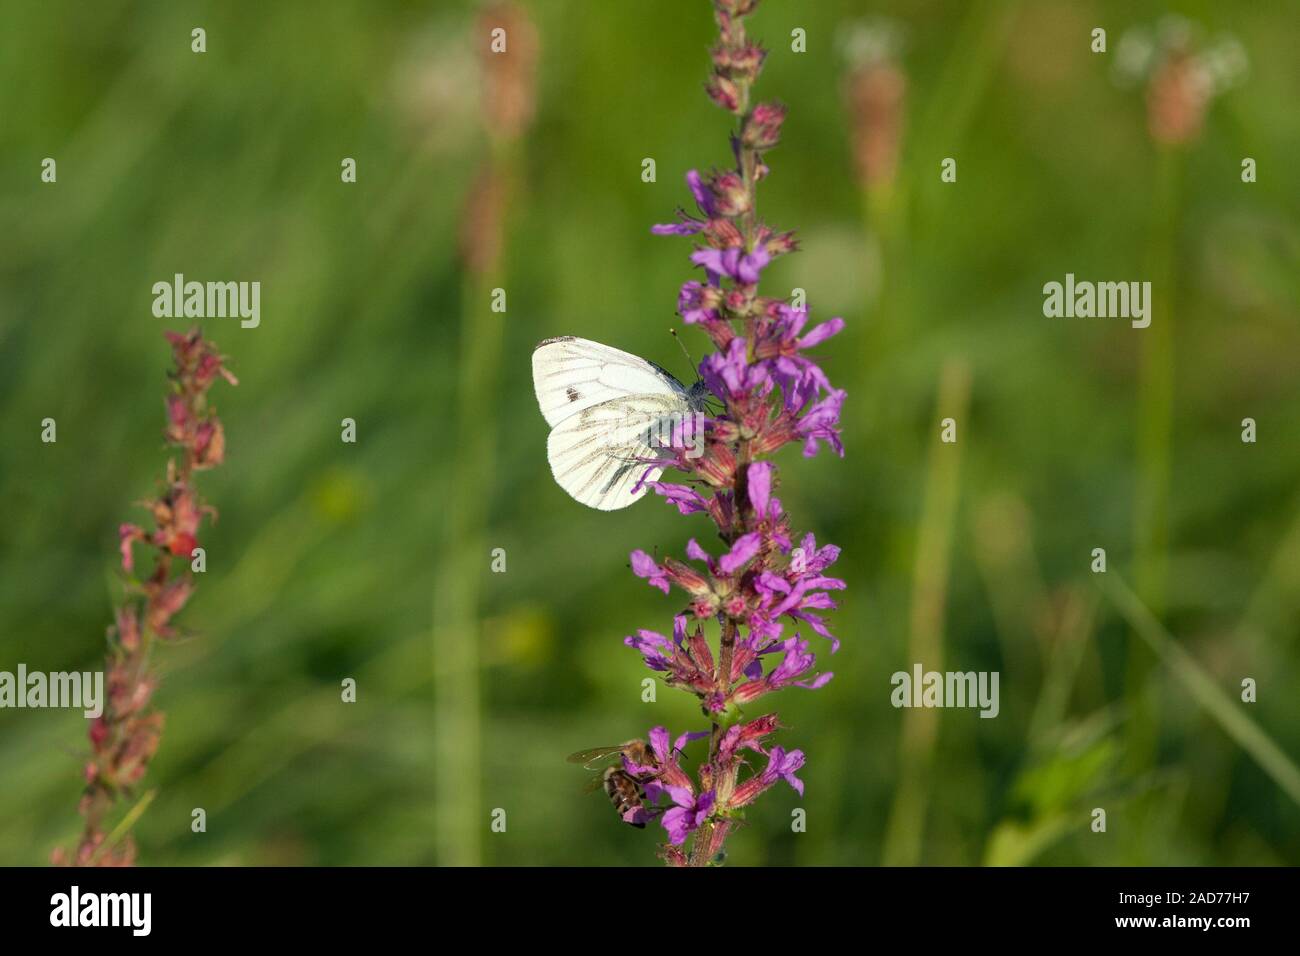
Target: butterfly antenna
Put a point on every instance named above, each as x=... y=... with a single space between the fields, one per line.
x=685 y=351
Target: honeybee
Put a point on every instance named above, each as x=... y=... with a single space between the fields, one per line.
x=621 y=787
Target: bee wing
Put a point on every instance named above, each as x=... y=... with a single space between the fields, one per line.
x=596 y=754
x=594 y=784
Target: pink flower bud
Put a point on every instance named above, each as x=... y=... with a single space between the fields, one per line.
x=723 y=234
x=98 y=732
x=730 y=196
x=209 y=444
x=127 y=534
x=781 y=243
x=735 y=607
x=763 y=127
x=724 y=92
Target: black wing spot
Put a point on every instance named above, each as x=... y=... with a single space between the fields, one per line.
x=572 y=393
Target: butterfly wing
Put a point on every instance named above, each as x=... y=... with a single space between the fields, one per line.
x=602 y=454
x=571 y=374
x=607 y=408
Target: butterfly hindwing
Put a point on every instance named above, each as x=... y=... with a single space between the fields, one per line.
x=601 y=454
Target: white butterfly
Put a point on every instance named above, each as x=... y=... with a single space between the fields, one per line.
x=609 y=413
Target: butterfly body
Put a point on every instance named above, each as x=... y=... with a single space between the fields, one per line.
x=611 y=414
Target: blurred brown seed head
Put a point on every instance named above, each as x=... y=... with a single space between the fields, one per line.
x=877 y=94
x=1181 y=73
x=509 y=74
x=1176 y=99
x=508 y=57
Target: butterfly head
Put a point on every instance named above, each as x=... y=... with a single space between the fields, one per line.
x=699 y=396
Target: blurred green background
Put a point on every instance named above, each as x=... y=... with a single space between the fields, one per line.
x=372 y=560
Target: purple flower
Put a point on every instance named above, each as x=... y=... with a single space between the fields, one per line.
x=686 y=659
x=745 y=657
x=656 y=648
x=760 y=485
x=784 y=765
x=798 y=660
x=687 y=499
x=780 y=766
x=645 y=478
x=644 y=566
x=791 y=323
x=703 y=196
x=800 y=378
x=659 y=743
x=745 y=548
x=693 y=303
x=801 y=588
x=748 y=736
x=813 y=560
x=637 y=816
x=700 y=304
x=670 y=571
x=690 y=812
x=688 y=225
x=667 y=771
x=729 y=374
x=821 y=423
x=734 y=263
x=767 y=510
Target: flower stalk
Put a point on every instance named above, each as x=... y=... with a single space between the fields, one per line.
x=509 y=87
x=124 y=738
x=769 y=394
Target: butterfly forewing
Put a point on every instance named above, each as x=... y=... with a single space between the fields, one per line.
x=571 y=374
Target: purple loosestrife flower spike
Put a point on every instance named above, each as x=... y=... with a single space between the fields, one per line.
x=733 y=599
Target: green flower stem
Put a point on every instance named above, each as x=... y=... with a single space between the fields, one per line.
x=906 y=826
x=1154 y=450
x=462 y=562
